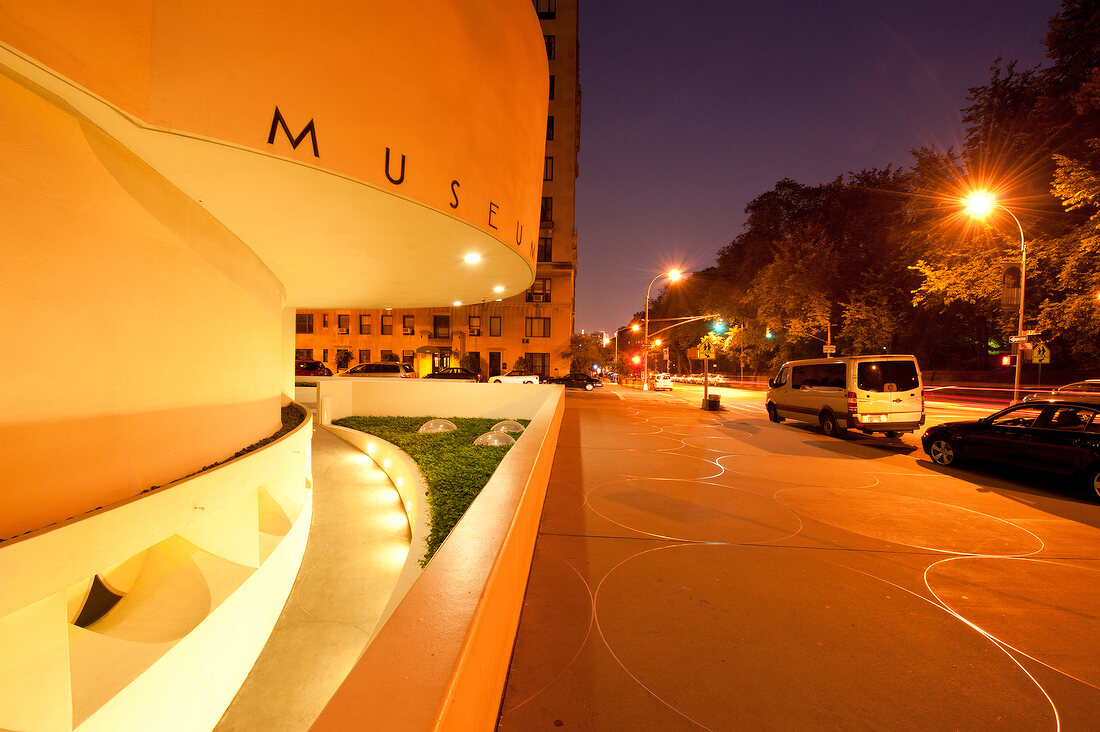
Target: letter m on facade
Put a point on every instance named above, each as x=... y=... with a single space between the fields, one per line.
x=278 y=121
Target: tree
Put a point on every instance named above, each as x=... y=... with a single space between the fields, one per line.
x=586 y=351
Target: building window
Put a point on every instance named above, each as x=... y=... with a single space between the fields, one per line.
x=364 y=325
x=303 y=323
x=343 y=324
x=494 y=325
x=364 y=355
x=407 y=357
x=475 y=325
x=441 y=326
x=537 y=328
x=551 y=44
x=548 y=168
x=388 y=355
x=546 y=249
x=387 y=325
x=546 y=9
x=324 y=320
x=538 y=363
x=303 y=354
x=324 y=355
x=546 y=215
x=539 y=290
x=551 y=87
x=550 y=127
x=408 y=325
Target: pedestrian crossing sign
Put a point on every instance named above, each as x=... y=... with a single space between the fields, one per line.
x=1040 y=353
x=706 y=349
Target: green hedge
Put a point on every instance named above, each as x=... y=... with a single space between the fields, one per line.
x=455 y=468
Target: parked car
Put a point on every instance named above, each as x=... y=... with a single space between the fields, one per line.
x=1086 y=387
x=868 y=393
x=311 y=368
x=575 y=380
x=661 y=382
x=381 y=369
x=454 y=373
x=515 y=377
x=1057 y=434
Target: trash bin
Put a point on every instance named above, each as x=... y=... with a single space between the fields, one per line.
x=712 y=402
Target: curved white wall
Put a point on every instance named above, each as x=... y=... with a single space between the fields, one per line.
x=142 y=338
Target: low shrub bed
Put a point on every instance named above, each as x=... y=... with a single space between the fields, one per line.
x=455 y=468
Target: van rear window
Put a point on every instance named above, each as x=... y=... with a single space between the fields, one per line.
x=875 y=375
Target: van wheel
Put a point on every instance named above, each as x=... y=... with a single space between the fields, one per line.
x=830 y=426
x=891 y=434
x=773 y=414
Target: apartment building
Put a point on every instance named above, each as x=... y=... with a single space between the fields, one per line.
x=489 y=336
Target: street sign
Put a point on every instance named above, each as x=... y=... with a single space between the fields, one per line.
x=1040 y=354
x=706 y=350
x=1033 y=332
x=1017 y=339
x=828 y=350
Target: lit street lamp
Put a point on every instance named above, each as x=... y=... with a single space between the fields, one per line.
x=980 y=205
x=673 y=276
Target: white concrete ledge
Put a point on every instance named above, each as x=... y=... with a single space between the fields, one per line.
x=441 y=659
x=204 y=566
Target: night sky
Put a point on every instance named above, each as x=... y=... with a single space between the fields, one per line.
x=693 y=108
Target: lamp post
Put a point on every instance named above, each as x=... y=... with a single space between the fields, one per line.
x=673 y=276
x=979 y=205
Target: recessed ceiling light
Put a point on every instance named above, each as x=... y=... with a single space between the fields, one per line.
x=498 y=288
x=472 y=258
x=456 y=303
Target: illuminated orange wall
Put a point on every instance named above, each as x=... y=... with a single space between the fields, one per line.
x=424 y=79
x=140 y=338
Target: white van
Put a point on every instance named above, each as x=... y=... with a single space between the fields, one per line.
x=867 y=393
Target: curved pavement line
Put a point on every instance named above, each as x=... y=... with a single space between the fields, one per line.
x=998 y=643
x=685 y=541
x=958 y=554
x=984 y=632
x=596 y=615
x=583 y=643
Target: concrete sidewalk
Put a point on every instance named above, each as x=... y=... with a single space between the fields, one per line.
x=358 y=542
x=701 y=570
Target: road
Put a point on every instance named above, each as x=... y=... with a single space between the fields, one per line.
x=713 y=570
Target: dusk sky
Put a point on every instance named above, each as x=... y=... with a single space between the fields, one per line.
x=693 y=108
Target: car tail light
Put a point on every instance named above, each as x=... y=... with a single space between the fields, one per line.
x=852 y=408
x=922 y=401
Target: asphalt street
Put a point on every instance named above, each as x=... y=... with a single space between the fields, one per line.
x=713 y=570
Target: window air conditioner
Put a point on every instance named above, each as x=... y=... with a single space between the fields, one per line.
x=475 y=331
x=538 y=297
x=406 y=331
x=342 y=331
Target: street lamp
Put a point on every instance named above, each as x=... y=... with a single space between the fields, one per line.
x=980 y=205
x=673 y=276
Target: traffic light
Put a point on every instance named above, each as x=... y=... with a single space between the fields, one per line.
x=767 y=332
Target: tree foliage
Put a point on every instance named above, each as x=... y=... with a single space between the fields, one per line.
x=885 y=260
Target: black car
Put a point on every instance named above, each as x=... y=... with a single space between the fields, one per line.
x=576 y=380
x=455 y=373
x=1057 y=434
x=311 y=368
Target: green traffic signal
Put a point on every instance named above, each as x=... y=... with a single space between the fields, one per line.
x=719 y=326
x=767 y=332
